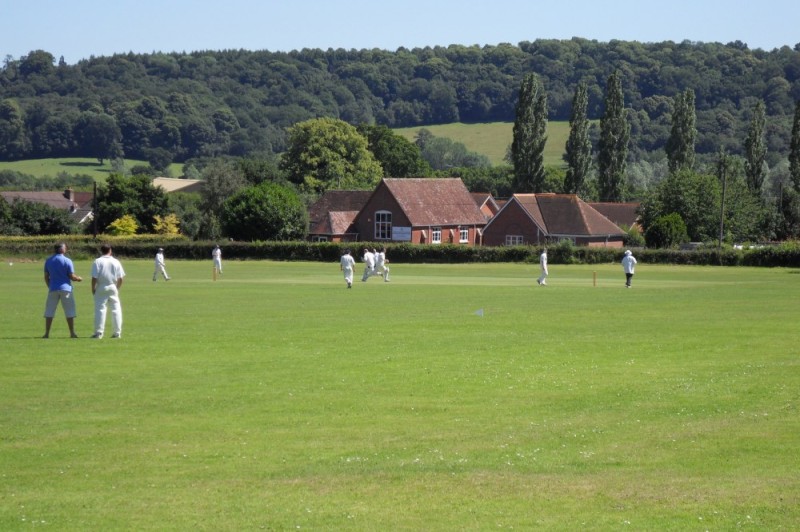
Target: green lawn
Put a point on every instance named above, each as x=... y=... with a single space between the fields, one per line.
x=277 y=399
x=74 y=166
x=494 y=139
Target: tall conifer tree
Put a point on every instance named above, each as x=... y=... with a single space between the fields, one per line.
x=529 y=137
x=579 y=147
x=682 y=137
x=794 y=149
x=755 y=149
x=613 y=147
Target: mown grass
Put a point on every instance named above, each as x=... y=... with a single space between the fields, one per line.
x=74 y=166
x=493 y=139
x=277 y=399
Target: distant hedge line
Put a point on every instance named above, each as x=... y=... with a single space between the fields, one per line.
x=144 y=246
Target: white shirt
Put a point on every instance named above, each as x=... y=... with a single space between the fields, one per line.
x=159 y=259
x=543 y=262
x=628 y=262
x=380 y=259
x=347 y=262
x=369 y=259
x=107 y=270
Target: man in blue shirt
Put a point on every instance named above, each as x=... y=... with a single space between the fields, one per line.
x=58 y=276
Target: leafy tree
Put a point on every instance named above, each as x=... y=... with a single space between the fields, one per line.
x=33 y=218
x=124 y=225
x=6 y=227
x=794 y=149
x=256 y=170
x=14 y=143
x=134 y=195
x=221 y=180
x=756 y=149
x=186 y=206
x=99 y=136
x=680 y=145
x=613 y=145
x=326 y=153
x=529 y=136
x=265 y=212
x=398 y=156
x=444 y=154
x=694 y=197
x=666 y=231
x=578 y=153
x=789 y=207
x=166 y=225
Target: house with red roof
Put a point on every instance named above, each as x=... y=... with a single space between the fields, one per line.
x=486 y=203
x=78 y=204
x=331 y=217
x=535 y=219
x=421 y=211
x=622 y=214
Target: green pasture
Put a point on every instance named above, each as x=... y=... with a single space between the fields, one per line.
x=74 y=166
x=493 y=139
x=456 y=397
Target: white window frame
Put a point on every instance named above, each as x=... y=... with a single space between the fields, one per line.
x=383 y=225
x=463 y=234
x=436 y=235
x=514 y=240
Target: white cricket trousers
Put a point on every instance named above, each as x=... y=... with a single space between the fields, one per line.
x=107 y=297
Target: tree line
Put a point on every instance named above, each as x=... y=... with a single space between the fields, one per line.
x=174 y=107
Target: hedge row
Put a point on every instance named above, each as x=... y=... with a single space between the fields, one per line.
x=81 y=247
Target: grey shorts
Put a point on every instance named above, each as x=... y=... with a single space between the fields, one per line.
x=67 y=302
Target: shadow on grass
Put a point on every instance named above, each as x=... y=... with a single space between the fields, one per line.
x=72 y=163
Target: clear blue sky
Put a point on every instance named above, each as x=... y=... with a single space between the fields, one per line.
x=77 y=29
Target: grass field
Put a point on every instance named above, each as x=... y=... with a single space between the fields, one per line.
x=277 y=399
x=493 y=139
x=75 y=166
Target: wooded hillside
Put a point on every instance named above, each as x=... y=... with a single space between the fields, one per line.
x=172 y=107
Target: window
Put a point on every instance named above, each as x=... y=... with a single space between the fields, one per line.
x=383 y=225
x=319 y=238
x=436 y=235
x=463 y=234
x=513 y=240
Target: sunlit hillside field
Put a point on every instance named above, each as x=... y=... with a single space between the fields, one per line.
x=74 y=166
x=493 y=139
x=456 y=397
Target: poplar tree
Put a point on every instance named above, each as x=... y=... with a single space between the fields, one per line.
x=529 y=136
x=682 y=136
x=755 y=150
x=578 y=153
x=613 y=146
x=794 y=149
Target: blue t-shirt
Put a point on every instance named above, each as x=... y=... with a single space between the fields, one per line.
x=60 y=269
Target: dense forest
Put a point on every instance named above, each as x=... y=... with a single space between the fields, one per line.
x=173 y=107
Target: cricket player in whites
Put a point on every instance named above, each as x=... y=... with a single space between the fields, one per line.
x=216 y=254
x=369 y=264
x=347 y=264
x=542 y=280
x=380 y=264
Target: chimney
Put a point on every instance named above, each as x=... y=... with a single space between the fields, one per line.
x=69 y=194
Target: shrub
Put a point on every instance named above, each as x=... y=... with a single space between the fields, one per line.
x=666 y=231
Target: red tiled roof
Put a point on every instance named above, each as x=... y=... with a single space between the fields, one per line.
x=335 y=210
x=340 y=221
x=619 y=213
x=435 y=201
x=566 y=214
